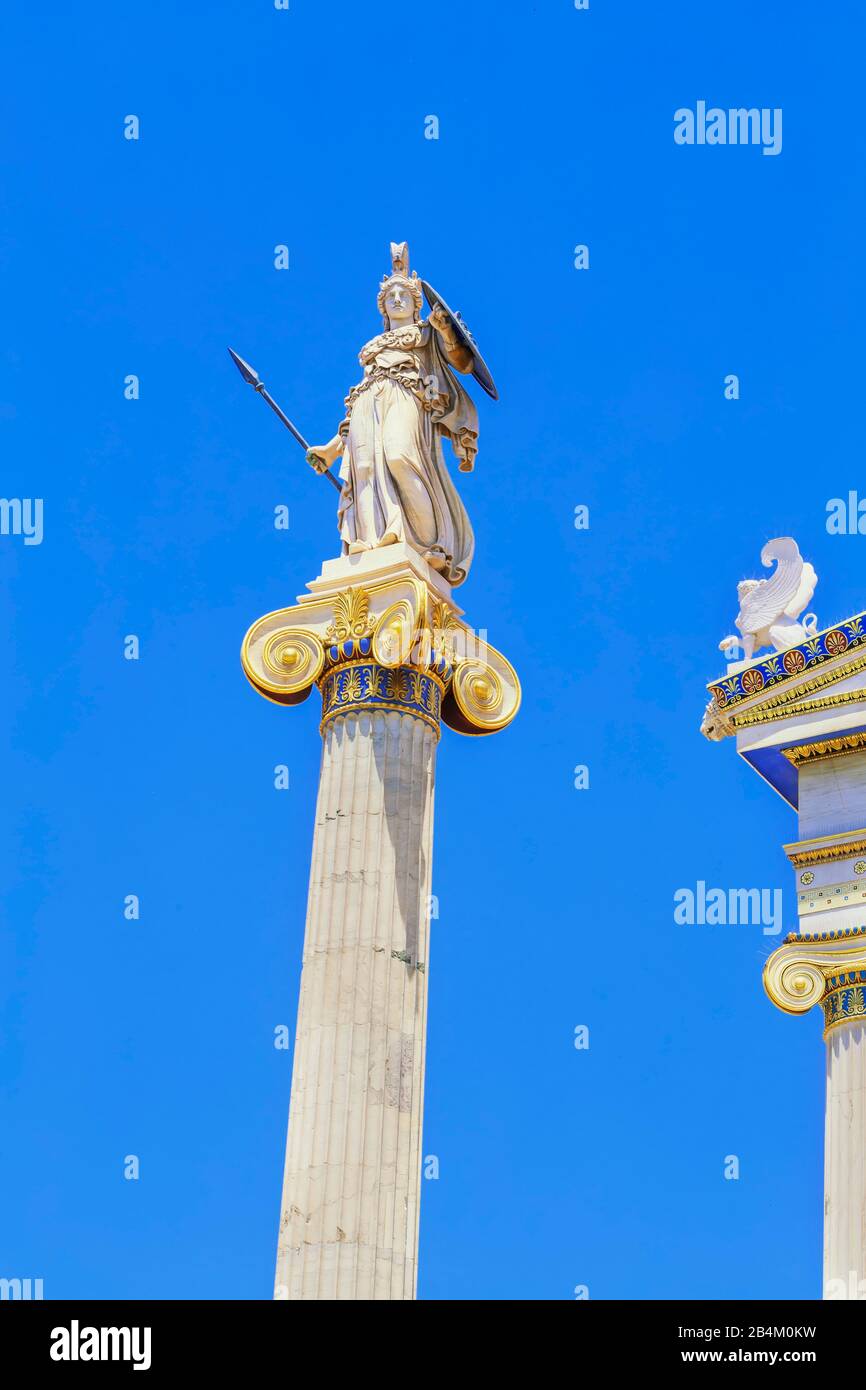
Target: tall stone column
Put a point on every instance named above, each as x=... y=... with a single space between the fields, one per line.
x=825 y=963
x=799 y=718
x=349 y=1224
x=845 y=1158
x=382 y=639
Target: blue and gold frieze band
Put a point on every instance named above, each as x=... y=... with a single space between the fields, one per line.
x=845 y=1000
x=364 y=685
x=838 y=935
x=355 y=648
x=350 y=649
x=794 y=664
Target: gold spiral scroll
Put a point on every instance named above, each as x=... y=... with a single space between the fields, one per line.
x=282 y=663
x=794 y=985
x=484 y=695
x=394 y=635
x=796 y=974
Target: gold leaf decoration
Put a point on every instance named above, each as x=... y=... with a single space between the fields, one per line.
x=351 y=616
x=444 y=625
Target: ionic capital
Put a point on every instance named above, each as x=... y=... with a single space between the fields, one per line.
x=391 y=640
x=828 y=969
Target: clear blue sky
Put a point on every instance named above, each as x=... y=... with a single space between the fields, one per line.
x=259 y=127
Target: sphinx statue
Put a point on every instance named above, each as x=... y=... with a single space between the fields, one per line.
x=770 y=608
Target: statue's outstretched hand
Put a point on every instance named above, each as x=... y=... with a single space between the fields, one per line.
x=321 y=456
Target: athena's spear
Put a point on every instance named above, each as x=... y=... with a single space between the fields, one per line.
x=250 y=375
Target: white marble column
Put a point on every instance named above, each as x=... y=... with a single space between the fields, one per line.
x=378 y=634
x=845 y=1163
x=351 y=1191
x=799 y=718
x=825 y=962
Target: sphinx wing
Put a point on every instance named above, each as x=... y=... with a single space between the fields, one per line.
x=780 y=593
x=804 y=593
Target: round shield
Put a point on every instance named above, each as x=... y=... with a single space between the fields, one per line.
x=479 y=366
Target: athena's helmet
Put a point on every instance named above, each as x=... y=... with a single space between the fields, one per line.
x=400 y=276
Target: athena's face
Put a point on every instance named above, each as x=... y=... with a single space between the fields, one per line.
x=399 y=305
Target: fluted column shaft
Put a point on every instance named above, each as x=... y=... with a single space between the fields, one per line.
x=351 y=1191
x=845 y=1164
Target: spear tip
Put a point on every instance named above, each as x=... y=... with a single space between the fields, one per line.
x=248 y=373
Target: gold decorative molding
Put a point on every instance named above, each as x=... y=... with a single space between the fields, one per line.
x=795 y=689
x=838 y=934
x=351 y=616
x=825 y=702
x=844 y=697
x=444 y=627
x=824 y=748
x=829 y=854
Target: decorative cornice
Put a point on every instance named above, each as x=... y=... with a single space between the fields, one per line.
x=824 y=748
x=793 y=668
x=829 y=854
x=762 y=715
